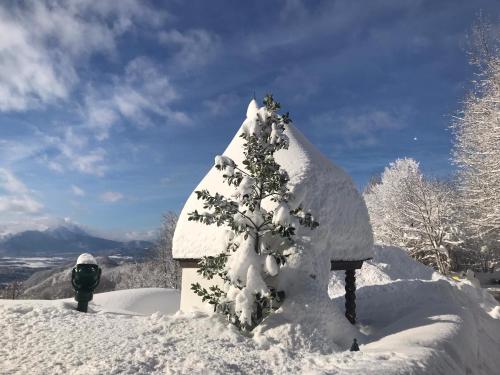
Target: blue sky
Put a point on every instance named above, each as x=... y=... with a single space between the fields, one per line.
x=111 y=111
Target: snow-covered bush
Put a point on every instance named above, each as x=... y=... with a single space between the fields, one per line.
x=257 y=239
x=408 y=210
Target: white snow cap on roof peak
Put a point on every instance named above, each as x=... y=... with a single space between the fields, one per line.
x=86 y=258
x=253 y=109
x=317 y=185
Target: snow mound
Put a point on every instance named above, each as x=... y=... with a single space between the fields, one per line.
x=389 y=263
x=418 y=314
x=344 y=233
x=86 y=258
x=308 y=319
x=318 y=186
x=142 y=301
x=411 y=321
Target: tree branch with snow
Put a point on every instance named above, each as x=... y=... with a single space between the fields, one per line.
x=256 y=250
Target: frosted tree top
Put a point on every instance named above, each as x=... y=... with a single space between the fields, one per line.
x=316 y=184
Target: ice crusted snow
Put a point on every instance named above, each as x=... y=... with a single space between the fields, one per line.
x=86 y=258
x=411 y=321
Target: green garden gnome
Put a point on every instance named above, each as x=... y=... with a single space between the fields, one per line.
x=85 y=277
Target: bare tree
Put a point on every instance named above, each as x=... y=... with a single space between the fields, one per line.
x=163 y=248
x=386 y=203
x=410 y=211
x=430 y=209
x=476 y=150
x=12 y=290
x=160 y=270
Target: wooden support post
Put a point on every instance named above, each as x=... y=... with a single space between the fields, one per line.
x=350 y=295
x=350 y=267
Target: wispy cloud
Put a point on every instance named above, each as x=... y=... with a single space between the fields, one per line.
x=79 y=192
x=43 y=42
x=17 y=223
x=193 y=48
x=12 y=151
x=138 y=98
x=73 y=151
x=124 y=234
x=10 y=183
x=301 y=84
x=16 y=198
x=30 y=75
x=359 y=127
x=111 y=196
x=222 y=104
x=142 y=92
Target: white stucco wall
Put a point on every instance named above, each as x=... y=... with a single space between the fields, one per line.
x=189 y=300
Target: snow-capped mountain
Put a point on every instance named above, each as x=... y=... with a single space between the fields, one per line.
x=66 y=239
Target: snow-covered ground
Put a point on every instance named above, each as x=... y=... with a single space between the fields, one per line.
x=411 y=321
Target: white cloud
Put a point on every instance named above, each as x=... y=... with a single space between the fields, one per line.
x=360 y=127
x=194 y=48
x=12 y=151
x=29 y=74
x=54 y=166
x=90 y=163
x=298 y=82
x=144 y=91
x=18 y=224
x=79 y=192
x=42 y=45
x=10 y=183
x=111 y=196
x=145 y=235
x=43 y=42
x=19 y=204
x=16 y=198
x=75 y=152
x=166 y=181
x=222 y=104
x=100 y=118
x=123 y=234
x=40 y=222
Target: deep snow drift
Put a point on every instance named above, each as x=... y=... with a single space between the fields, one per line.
x=412 y=321
x=140 y=301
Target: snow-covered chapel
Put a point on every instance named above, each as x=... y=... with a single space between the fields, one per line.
x=344 y=233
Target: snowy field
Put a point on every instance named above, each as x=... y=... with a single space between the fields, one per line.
x=21 y=268
x=411 y=321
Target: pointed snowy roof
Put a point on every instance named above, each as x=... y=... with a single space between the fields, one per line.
x=320 y=186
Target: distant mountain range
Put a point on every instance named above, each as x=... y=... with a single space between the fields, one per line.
x=66 y=240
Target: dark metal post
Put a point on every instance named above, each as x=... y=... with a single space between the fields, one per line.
x=85 y=277
x=82 y=306
x=350 y=267
x=350 y=295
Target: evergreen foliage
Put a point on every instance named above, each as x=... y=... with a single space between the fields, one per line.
x=258 y=238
